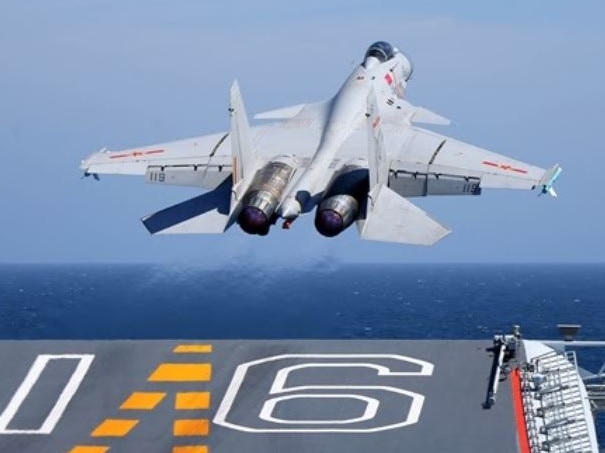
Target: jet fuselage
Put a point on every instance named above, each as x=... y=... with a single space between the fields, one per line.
x=347 y=111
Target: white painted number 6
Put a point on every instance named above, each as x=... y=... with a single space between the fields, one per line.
x=385 y=407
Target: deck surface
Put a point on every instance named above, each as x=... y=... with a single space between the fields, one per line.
x=251 y=396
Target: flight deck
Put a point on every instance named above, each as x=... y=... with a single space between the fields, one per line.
x=257 y=396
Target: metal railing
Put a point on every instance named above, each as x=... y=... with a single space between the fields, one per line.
x=553 y=405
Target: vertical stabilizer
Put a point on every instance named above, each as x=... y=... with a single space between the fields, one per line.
x=241 y=148
x=378 y=166
x=389 y=217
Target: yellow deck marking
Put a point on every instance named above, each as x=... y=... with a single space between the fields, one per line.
x=192 y=400
x=193 y=348
x=182 y=372
x=190 y=449
x=144 y=401
x=197 y=427
x=88 y=449
x=114 y=428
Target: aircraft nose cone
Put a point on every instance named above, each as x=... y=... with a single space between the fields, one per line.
x=328 y=222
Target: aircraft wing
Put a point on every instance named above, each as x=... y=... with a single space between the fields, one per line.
x=207 y=160
x=432 y=164
x=202 y=161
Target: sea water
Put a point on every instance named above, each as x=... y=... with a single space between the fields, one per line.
x=319 y=301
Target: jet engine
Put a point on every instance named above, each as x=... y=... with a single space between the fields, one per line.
x=263 y=196
x=343 y=201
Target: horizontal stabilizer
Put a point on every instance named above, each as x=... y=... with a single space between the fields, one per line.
x=207 y=213
x=392 y=218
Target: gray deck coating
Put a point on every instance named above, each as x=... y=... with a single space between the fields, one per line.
x=451 y=419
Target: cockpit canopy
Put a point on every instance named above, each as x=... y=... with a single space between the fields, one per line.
x=381 y=50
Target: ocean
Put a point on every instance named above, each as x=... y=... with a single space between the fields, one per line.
x=319 y=300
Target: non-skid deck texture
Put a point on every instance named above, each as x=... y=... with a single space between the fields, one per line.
x=251 y=396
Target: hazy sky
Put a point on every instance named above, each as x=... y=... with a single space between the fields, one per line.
x=521 y=78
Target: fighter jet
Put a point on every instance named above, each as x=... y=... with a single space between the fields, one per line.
x=355 y=158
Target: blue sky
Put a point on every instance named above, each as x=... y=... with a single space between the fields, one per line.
x=520 y=78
